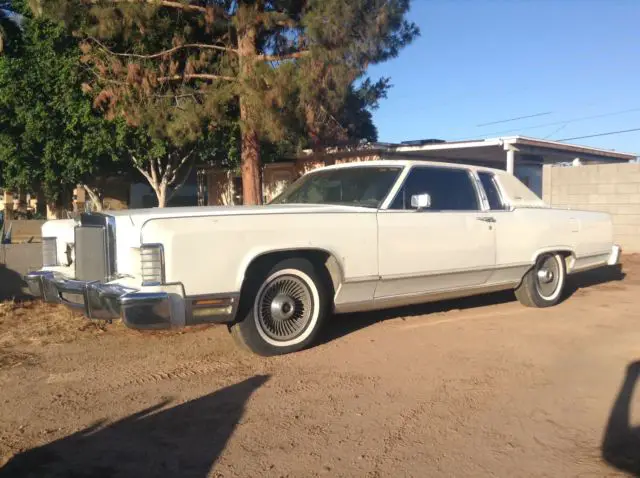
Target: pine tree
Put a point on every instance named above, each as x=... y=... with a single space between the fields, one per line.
x=178 y=67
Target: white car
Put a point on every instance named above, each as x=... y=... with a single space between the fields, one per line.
x=345 y=238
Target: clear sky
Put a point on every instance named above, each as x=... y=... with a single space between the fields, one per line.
x=482 y=61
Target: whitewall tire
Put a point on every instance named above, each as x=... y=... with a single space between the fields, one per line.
x=544 y=283
x=284 y=309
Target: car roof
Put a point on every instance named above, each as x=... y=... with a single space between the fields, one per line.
x=405 y=163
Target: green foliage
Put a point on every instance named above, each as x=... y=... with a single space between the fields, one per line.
x=50 y=137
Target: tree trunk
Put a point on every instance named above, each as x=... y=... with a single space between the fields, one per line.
x=161 y=193
x=41 y=203
x=250 y=163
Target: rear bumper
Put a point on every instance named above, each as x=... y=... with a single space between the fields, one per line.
x=614 y=258
x=138 y=310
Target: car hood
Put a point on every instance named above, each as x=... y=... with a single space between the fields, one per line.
x=140 y=216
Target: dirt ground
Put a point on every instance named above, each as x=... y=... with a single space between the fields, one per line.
x=474 y=387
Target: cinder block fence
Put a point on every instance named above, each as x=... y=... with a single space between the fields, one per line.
x=612 y=188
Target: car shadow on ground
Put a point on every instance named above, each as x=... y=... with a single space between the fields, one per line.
x=621 y=441
x=342 y=325
x=184 y=440
x=12 y=285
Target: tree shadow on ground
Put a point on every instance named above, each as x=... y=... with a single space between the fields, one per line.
x=342 y=325
x=621 y=441
x=182 y=441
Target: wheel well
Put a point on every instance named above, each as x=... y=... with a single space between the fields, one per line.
x=566 y=254
x=318 y=257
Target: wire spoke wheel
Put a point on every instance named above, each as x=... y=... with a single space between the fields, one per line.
x=284 y=307
x=547 y=276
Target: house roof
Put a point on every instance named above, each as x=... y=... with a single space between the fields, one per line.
x=489 y=150
x=515 y=142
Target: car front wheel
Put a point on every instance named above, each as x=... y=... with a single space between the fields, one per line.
x=284 y=309
x=543 y=284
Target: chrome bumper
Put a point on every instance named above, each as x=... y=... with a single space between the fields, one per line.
x=138 y=310
x=614 y=258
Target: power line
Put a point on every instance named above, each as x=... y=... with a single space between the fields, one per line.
x=514 y=119
x=600 y=134
x=557 y=123
x=557 y=130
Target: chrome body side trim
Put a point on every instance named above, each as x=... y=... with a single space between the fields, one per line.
x=356 y=280
x=455 y=271
x=421 y=298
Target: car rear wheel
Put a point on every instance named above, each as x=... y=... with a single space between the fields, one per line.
x=284 y=309
x=543 y=284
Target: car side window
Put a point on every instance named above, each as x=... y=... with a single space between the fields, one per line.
x=451 y=189
x=491 y=190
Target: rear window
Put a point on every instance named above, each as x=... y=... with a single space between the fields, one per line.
x=491 y=190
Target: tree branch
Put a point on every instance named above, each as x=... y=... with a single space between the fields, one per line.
x=265 y=18
x=144 y=172
x=168 y=169
x=95 y=197
x=288 y=56
x=187 y=7
x=205 y=46
x=146 y=175
x=102 y=78
x=184 y=179
x=196 y=76
x=179 y=165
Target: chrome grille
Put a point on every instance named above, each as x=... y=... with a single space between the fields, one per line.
x=95 y=248
x=91 y=253
x=49 y=252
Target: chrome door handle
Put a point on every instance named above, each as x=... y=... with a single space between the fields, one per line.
x=486 y=219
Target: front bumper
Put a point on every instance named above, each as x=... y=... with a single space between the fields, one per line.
x=138 y=310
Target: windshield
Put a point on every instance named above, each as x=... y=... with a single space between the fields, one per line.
x=364 y=186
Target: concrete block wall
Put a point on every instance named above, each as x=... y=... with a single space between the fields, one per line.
x=25 y=230
x=16 y=260
x=612 y=188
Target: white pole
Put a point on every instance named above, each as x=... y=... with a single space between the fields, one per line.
x=511 y=160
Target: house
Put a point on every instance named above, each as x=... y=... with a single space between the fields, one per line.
x=522 y=156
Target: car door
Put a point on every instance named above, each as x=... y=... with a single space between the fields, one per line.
x=449 y=245
x=513 y=257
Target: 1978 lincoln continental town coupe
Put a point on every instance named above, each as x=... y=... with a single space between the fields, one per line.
x=344 y=238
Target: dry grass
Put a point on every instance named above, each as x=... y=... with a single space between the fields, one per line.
x=26 y=326
x=37 y=323
x=13 y=358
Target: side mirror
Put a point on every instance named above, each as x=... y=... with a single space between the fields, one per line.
x=421 y=201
